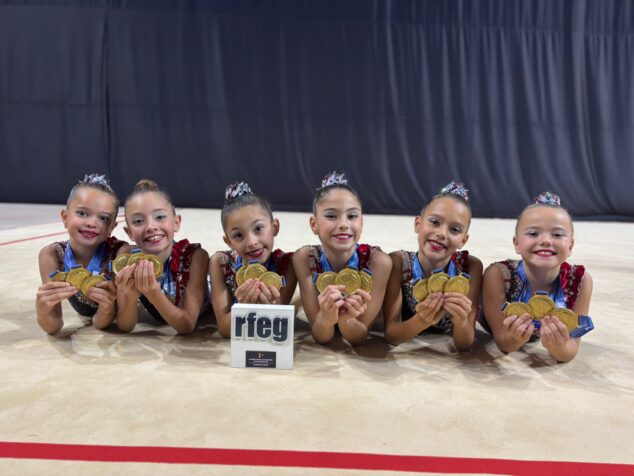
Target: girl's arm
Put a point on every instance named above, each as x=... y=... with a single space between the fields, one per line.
x=510 y=333
x=49 y=295
x=554 y=334
x=428 y=312
x=322 y=317
x=182 y=318
x=361 y=309
x=220 y=296
x=127 y=298
x=105 y=294
x=464 y=309
x=270 y=295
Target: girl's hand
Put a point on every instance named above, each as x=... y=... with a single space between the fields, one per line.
x=520 y=328
x=248 y=292
x=355 y=304
x=124 y=282
x=553 y=333
x=104 y=294
x=269 y=294
x=52 y=293
x=330 y=301
x=144 y=279
x=458 y=307
x=430 y=310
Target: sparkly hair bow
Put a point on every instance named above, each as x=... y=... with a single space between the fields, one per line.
x=333 y=178
x=548 y=198
x=237 y=189
x=457 y=189
x=96 y=179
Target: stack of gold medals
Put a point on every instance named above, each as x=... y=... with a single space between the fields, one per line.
x=254 y=270
x=351 y=278
x=135 y=256
x=79 y=277
x=541 y=305
x=440 y=282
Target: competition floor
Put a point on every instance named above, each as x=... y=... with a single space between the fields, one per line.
x=95 y=402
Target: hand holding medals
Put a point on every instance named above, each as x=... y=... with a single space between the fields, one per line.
x=540 y=306
x=79 y=277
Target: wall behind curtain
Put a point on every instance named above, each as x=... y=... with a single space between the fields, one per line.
x=511 y=97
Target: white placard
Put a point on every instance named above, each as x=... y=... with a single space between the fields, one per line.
x=262 y=336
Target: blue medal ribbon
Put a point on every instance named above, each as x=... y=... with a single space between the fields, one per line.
x=557 y=294
x=95 y=264
x=353 y=262
x=417 y=269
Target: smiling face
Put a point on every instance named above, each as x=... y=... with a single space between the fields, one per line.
x=338 y=221
x=543 y=236
x=250 y=232
x=151 y=223
x=89 y=217
x=442 y=229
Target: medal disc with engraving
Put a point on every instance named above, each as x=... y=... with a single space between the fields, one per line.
x=436 y=282
x=271 y=279
x=325 y=279
x=120 y=262
x=57 y=276
x=90 y=281
x=366 y=281
x=135 y=258
x=240 y=276
x=567 y=317
x=350 y=279
x=541 y=305
x=254 y=271
x=457 y=284
x=156 y=262
x=76 y=275
x=420 y=290
x=517 y=309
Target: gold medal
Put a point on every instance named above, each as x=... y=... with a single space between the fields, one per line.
x=457 y=284
x=254 y=271
x=76 y=275
x=567 y=317
x=135 y=258
x=366 y=281
x=120 y=262
x=436 y=282
x=57 y=276
x=271 y=279
x=325 y=279
x=350 y=279
x=240 y=275
x=420 y=290
x=541 y=305
x=90 y=281
x=517 y=309
x=157 y=263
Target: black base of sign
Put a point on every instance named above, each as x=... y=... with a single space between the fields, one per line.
x=255 y=358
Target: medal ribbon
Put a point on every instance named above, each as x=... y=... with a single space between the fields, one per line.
x=417 y=269
x=95 y=264
x=557 y=294
x=269 y=264
x=353 y=262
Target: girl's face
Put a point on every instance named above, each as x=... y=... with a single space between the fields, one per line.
x=544 y=237
x=152 y=223
x=250 y=232
x=442 y=229
x=338 y=220
x=90 y=217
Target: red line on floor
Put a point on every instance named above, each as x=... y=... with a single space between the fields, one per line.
x=302 y=459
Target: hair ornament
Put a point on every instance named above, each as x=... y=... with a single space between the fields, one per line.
x=457 y=189
x=96 y=179
x=333 y=178
x=548 y=198
x=237 y=189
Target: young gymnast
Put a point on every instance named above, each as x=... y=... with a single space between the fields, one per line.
x=178 y=295
x=249 y=230
x=544 y=239
x=338 y=222
x=90 y=216
x=442 y=228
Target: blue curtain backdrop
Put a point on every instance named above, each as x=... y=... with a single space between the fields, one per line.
x=512 y=97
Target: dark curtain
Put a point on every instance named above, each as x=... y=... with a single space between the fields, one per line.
x=511 y=97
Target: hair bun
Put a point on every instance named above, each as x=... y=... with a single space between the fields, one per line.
x=146 y=185
x=237 y=189
x=333 y=178
x=548 y=198
x=457 y=189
